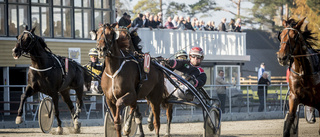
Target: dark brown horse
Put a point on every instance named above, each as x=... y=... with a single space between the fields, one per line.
x=303 y=61
x=47 y=75
x=121 y=81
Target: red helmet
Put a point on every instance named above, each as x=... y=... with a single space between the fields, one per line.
x=196 y=51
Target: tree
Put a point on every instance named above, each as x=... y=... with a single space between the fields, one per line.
x=143 y=6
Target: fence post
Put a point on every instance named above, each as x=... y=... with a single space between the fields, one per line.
x=248 y=99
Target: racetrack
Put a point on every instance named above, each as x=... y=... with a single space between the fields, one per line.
x=253 y=128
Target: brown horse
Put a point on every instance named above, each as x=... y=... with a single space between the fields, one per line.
x=121 y=82
x=47 y=75
x=303 y=61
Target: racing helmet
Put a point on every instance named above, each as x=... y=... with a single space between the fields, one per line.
x=196 y=51
x=93 y=52
x=181 y=53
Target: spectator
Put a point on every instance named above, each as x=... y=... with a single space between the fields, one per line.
x=188 y=23
x=156 y=21
x=147 y=22
x=144 y=19
x=222 y=26
x=138 y=22
x=209 y=26
x=263 y=90
x=202 y=25
x=238 y=25
x=160 y=18
x=213 y=25
x=169 y=24
x=261 y=70
x=181 y=23
x=232 y=26
x=221 y=90
x=197 y=25
x=175 y=21
x=150 y=22
x=124 y=20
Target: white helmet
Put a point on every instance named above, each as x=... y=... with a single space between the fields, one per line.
x=93 y=52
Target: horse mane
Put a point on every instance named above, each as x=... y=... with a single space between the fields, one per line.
x=44 y=45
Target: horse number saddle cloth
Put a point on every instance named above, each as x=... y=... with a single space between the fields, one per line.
x=146 y=64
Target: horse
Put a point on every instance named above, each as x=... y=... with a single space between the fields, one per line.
x=47 y=74
x=304 y=80
x=121 y=83
x=130 y=36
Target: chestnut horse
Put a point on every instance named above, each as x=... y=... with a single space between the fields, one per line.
x=47 y=75
x=303 y=61
x=121 y=82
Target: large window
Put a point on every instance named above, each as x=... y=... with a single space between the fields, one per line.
x=54 y=18
x=231 y=73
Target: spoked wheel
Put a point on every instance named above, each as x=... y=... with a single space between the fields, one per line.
x=109 y=130
x=45 y=115
x=294 y=127
x=309 y=114
x=212 y=130
x=125 y=116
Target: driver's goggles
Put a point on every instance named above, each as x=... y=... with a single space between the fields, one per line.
x=93 y=56
x=196 y=56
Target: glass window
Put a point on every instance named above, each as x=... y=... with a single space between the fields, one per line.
x=78 y=23
x=1 y=0
x=97 y=3
x=67 y=2
x=57 y=2
x=57 y=22
x=77 y=3
x=97 y=18
x=87 y=23
x=35 y=15
x=86 y=3
x=2 y=28
x=12 y=1
x=34 y=1
x=23 y=18
x=23 y=1
x=67 y=22
x=45 y=22
x=44 y=1
x=12 y=20
x=106 y=4
x=106 y=17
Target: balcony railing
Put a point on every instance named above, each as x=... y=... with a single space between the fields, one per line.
x=216 y=45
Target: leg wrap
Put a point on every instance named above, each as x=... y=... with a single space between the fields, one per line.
x=117 y=126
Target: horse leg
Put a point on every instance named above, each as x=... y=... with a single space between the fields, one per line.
x=150 y=121
x=77 y=123
x=169 y=118
x=74 y=114
x=156 y=112
x=293 y=104
x=55 y=99
x=126 y=100
x=127 y=124
x=24 y=96
x=138 y=118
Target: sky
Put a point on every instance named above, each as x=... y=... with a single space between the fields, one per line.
x=216 y=15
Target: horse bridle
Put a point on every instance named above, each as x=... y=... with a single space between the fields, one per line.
x=288 y=42
x=31 y=43
x=108 y=43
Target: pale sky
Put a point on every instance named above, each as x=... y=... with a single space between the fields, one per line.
x=216 y=16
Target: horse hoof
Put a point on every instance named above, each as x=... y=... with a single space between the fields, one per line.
x=19 y=120
x=77 y=125
x=167 y=135
x=141 y=135
x=126 y=130
x=59 y=130
x=150 y=126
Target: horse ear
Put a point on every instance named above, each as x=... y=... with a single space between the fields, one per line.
x=115 y=25
x=298 y=26
x=284 y=23
x=26 y=27
x=93 y=34
x=33 y=29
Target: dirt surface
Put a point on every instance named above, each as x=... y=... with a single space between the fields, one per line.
x=254 y=128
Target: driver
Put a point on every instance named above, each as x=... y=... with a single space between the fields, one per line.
x=190 y=70
x=96 y=67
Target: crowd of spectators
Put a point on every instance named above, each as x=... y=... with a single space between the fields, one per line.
x=148 y=20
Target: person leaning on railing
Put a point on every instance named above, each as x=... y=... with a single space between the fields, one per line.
x=221 y=90
x=263 y=89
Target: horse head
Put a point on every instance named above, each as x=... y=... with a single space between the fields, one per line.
x=110 y=39
x=25 y=42
x=291 y=41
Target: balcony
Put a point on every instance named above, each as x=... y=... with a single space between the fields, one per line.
x=217 y=46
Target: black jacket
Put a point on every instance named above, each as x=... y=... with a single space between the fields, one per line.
x=124 y=22
x=260 y=88
x=138 y=21
x=197 y=76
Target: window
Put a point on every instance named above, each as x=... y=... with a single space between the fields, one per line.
x=231 y=73
x=54 y=18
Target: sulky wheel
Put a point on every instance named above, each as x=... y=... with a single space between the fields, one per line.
x=45 y=115
x=294 y=127
x=212 y=130
x=309 y=114
x=125 y=116
x=109 y=130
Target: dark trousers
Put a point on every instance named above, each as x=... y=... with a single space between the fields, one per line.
x=261 y=100
x=222 y=98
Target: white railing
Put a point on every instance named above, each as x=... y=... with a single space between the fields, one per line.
x=166 y=42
